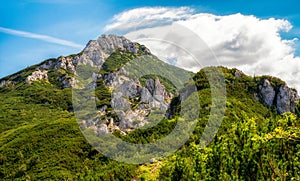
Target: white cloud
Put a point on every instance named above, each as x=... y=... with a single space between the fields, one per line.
x=246 y=42
x=147 y=17
x=41 y=37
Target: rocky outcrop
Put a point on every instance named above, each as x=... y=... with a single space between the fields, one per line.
x=132 y=102
x=267 y=93
x=65 y=63
x=92 y=55
x=6 y=83
x=98 y=50
x=286 y=99
x=282 y=97
x=130 y=89
x=158 y=94
x=119 y=102
x=155 y=87
x=37 y=75
x=146 y=96
x=68 y=82
x=110 y=43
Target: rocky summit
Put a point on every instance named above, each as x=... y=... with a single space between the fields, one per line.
x=98 y=50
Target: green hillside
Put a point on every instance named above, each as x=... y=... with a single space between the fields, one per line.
x=40 y=138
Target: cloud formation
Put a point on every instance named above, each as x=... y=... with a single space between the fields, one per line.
x=246 y=42
x=139 y=18
x=41 y=37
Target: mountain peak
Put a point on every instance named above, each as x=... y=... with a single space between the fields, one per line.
x=111 y=43
x=97 y=50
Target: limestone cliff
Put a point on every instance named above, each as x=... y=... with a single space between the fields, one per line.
x=281 y=96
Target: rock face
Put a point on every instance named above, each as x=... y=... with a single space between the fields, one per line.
x=65 y=63
x=286 y=99
x=282 y=97
x=68 y=82
x=119 y=102
x=267 y=92
x=132 y=102
x=157 y=94
x=98 y=50
x=155 y=87
x=37 y=76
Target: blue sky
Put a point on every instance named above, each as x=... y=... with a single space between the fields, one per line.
x=67 y=25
